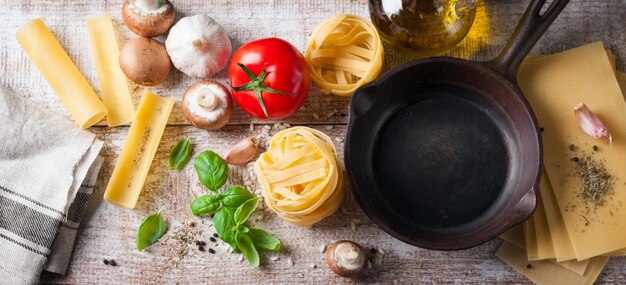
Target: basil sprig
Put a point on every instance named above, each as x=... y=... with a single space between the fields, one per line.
x=180 y=154
x=151 y=230
x=232 y=209
x=212 y=170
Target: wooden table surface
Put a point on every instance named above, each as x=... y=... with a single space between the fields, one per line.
x=109 y=231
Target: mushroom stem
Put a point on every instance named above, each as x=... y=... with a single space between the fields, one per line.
x=201 y=45
x=148 y=5
x=208 y=100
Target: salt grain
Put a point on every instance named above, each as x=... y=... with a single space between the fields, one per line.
x=252 y=127
x=274 y=257
x=338 y=139
x=328 y=128
x=353 y=226
x=290 y=262
x=312 y=265
x=241 y=258
x=381 y=251
x=316 y=116
x=322 y=248
x=369 y=264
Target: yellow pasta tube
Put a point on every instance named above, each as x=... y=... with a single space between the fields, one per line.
x=113 y=83
x=344 y=53
x=139 y=149
x=302 y=180
x=61 y=73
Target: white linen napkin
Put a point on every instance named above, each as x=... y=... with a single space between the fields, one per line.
x=47 y=170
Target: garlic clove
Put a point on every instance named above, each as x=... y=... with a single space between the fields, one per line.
x=242 y=153
x=590 y=124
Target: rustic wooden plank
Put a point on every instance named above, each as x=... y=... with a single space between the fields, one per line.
x=109 y=233
x=581 y=22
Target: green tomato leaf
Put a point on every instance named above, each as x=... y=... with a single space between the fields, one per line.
x=180 y=154
x=247 y=248
x=151 y=230
x=205 y=204
x=235 y=196
x=224 y=224
x=212 y=170
x=245 y=210
x=263 y=240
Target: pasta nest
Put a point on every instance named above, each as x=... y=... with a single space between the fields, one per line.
x=301 y=178
x=344 y=53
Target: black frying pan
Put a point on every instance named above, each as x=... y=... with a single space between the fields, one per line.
x=445 y=153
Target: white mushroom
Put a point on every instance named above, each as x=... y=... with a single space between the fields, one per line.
x=148 y=18
x=207 y=105
x=345 y=258
x=198 y=46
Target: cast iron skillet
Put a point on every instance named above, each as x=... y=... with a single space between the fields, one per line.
x=445 y=153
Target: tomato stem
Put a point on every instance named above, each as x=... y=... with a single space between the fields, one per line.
x=257 y=85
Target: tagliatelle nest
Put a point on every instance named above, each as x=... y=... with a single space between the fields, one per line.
x=302 y=180
x=344 y=53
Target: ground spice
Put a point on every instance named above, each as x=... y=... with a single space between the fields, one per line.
x=179 y=242
x=596 y=181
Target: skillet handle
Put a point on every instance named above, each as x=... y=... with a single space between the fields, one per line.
x=529 y=29
x=525 y=206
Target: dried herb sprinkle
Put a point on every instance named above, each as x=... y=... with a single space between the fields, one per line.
x=596 y=181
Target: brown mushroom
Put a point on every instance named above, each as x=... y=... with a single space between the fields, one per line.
x=145 y=61
x=345 y=258
x=207 y=105
x=148 y=18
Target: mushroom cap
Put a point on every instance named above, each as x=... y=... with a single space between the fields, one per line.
x=145 y=61
x=207 y=118
x=198 y=46
x=345 y=258
x=148 y=23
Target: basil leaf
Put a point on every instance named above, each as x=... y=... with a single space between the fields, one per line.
x=212 y=170
x=245 y=210
x=263 y=240
x=205 y=204
x=180 y=154
x=235 y=196
x=151 y=230
x=224 y=224
x=247 y=248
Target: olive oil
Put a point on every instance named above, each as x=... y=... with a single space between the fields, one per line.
x=422 y=27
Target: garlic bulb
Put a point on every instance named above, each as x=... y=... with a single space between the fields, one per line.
x=198 y=46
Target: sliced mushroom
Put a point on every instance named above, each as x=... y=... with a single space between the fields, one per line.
x=346 y=258
x=207 y=105
x=145 y=61
x=148 y=18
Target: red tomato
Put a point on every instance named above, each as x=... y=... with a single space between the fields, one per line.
x=280 y=90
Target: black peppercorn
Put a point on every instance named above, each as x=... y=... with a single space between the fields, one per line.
x=216 y=235
x=572 y=147
x=211 y=251
x=112 y=262
x=201 y=248
x=105 y=262
x=595 y=148
x=199 y=242
x=212 y=239
x=575 y=159
x=529 y=266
